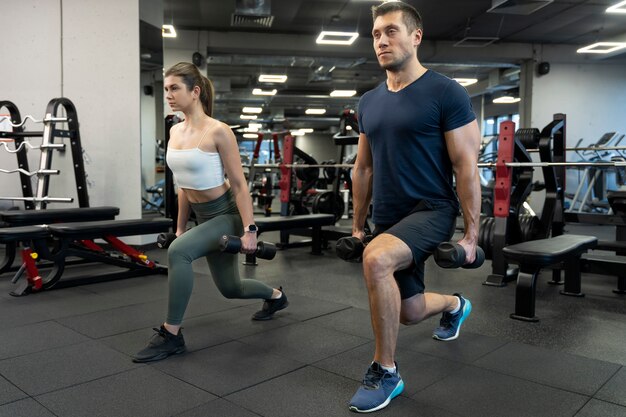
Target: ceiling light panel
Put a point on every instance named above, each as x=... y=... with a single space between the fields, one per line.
x=272 y=78
x=466 y=81
x=168 y=31
x=343 y=93
x=336 y=38
x=315 y=111
x=602 y=48
x=259 y=92
x=617 y=8
x=252 y=110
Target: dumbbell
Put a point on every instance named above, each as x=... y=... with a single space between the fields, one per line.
x=232 y=244
x=164 y=240
x=351 y=248
x=452 y=255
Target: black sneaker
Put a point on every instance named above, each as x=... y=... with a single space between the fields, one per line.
x=271 y=306
x=162 y=345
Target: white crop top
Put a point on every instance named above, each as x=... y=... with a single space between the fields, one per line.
x=194 y=168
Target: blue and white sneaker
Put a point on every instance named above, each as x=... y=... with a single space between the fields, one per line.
x=378 y=389
x=450 y=324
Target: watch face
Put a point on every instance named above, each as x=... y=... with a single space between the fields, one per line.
x=252 y=228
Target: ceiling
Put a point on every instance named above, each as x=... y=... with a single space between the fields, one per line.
x=237 y=53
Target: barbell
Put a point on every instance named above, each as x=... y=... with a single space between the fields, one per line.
x=604 y=164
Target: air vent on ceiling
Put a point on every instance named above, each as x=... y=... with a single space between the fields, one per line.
x=252 y=13
x=252 y=21
x=475 y=42
x=519 y=7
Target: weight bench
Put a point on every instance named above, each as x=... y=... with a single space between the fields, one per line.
x=20 y=218
x=564 y=251
x=76 y=240
x=284 y=223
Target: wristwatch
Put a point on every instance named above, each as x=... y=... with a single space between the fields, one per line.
x=251 y=228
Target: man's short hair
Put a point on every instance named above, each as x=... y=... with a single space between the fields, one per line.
x=410 y=16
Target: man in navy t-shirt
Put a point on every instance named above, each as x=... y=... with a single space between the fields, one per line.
x=417 y=129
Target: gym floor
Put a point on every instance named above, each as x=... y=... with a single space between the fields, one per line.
x=68 y=352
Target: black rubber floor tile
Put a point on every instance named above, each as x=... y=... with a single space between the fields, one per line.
x=24 y=408
x=58 y=368
x=557 y=369
x=117 y=320
x=351 y=321
x=9 y=392
x=597 y=408
x=36 y=337
x=305 y=342
x=312 y=392
x=467 y=348
x=476 y=392
x=305 y=308
x=417 y=369
x=614 y=390
x=147 y=288
x=203 y=331
x=218 y=408
x=49 y=305
x=143 y=392
x=227 y=368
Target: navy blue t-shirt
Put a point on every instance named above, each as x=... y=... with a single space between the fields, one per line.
x=405 y=131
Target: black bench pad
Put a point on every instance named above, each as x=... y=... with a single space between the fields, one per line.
x=268 y=224
x=544 y=252
x=92 y=230
x=47 y=216
x=11 y=234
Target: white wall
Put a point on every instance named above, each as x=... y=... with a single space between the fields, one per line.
x=592 y=96
x=87 y=51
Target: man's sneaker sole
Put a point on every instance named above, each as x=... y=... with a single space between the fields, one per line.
x=467 y=309
x=396 y=391
x=162 y=356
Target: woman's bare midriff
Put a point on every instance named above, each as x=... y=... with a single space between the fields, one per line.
x=204 y=196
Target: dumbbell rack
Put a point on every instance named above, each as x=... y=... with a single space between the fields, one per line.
x=49 y=134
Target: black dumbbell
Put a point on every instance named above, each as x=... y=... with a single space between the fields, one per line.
x=232 y=244
x=164 y=240
x=351 y=248
x=452 y=255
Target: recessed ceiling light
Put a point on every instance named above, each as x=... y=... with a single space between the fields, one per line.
x=617 y=8
x=259 y=92
x=315 y=111
x=342 y=93
x=168 y=31
x=272 y=78
x=336 y=38
x=306 y=130
x=255 y=125
x=506 y=100
x=466 y=81
x=248 y=116
x=297 y=133
x=250 y=136
x=602 y=48
x=252 y=109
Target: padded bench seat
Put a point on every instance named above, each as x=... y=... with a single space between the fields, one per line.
x=534 y=255
x=304 y=221
x=14 y=234
x=32 y=217
x=94 y=230
x=269 y=224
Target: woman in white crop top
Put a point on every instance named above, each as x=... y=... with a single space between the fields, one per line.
x=201 y=152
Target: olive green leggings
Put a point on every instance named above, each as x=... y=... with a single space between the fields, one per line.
x=216 y=218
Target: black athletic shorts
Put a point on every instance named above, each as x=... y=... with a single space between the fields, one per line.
x=426 y=226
